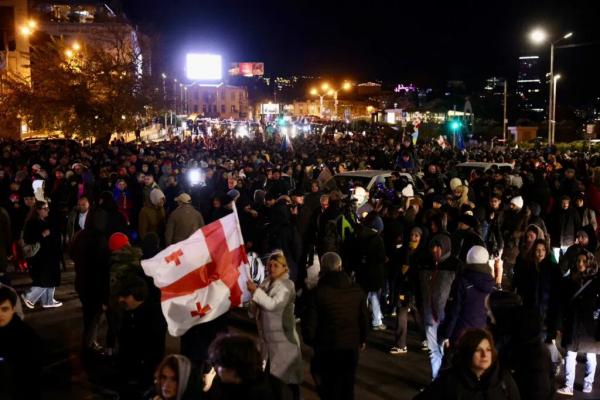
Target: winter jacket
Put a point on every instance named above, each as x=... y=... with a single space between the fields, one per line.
x=537 y=284
x=491 y=232
x=463 y=240
x=466 y=303
x=45 y=265
x=182 y=222
x=517 y=335
x=142 y=341
x=371 y=260
x=281 y=234
x=514 y=226
x=336 y=317
x=273 y=306
x=265 y=387
x=579 y=315
x=90 y=254
x=152 y=219
x=460 y=384
x=587 y=216
x=566 y=224
x=20 y=361
x=435 y=280
x=124 y=265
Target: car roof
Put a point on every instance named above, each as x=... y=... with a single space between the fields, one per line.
x=478 y=164
x=366 y=173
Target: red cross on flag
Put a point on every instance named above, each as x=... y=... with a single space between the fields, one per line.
x=202 y=277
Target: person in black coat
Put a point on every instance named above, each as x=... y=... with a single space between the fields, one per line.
x=45 y=264
x=141 y=337
x=465 y=237
x=566 y=223
x=371 y=265
x=281 y=234
x=475 y=373
x=537 y=279
x=90 y=254
x=578 y=316
x=335 y=323
x=517 y=331
x=20 y=353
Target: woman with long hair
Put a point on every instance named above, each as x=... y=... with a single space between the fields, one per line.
x=176 y=379
x=273 y=306
x=45 y=263
x=475 y=373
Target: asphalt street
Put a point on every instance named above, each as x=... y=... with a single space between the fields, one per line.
x=380 y=376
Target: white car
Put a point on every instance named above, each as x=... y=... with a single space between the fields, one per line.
x=369 y=178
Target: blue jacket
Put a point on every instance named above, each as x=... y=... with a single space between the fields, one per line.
x=466 y=303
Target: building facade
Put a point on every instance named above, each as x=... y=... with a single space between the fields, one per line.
x=222 y=101
x=14 y=53
x=530 y=85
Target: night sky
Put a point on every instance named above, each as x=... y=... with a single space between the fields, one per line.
x=426 y=42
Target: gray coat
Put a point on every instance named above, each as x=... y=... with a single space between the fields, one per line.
x=182 y=222
x=273 y=306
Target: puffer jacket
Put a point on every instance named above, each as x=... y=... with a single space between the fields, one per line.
x=273 y=306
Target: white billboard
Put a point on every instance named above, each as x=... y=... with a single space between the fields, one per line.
x=204 y=67
x=270 y=108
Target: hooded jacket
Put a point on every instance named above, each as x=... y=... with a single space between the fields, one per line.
x=466 y=303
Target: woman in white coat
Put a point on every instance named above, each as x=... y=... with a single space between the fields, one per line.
x=273 y=306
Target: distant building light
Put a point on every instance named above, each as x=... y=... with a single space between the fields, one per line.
x=529 y=58
x=528 y=81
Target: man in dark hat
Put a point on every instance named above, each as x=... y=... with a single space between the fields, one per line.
x=466 y=236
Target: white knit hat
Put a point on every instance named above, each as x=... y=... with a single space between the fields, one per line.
x=517 y=201
x=454 y=183
x=478 y=255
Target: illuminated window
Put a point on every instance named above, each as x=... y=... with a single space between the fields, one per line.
x=222 y=108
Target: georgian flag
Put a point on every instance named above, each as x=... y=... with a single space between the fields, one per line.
x=202 y=277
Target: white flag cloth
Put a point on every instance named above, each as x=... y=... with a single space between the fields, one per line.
x=202 y=277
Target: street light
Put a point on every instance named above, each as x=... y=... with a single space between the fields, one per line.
x=555 y=84
x=76 y=46
x=539 y=36
x=69 y=53
x=327 y=90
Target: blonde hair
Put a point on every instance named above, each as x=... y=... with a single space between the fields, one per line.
x=278 y=257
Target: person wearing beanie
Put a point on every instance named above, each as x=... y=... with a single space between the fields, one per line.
x=466 y=303
x=183 y=221
x=513 y=226
x=152 y=215
x=435 y=280
x=466 y=236
x=517 y=202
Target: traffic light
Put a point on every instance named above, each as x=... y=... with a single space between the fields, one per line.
x=455 y=125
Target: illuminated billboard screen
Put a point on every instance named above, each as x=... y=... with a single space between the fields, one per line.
x=270 y=108
x=247 y=69
x=204 y=67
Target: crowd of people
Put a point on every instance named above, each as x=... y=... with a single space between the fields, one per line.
x=497 y=269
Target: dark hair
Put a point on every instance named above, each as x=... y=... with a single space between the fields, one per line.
x=33 y=212
x=543 y=243
x=239 y=353
x=168 y=361
x=136 y=287
x=9 y=294
x=467 y=345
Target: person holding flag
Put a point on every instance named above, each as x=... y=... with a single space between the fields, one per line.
x=273 y=306
x=200 y=279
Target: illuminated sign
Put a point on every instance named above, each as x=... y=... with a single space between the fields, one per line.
x=270 y=108
x=204 y=67
x=247 y=69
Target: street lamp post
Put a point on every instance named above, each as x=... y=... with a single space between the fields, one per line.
x=554 y=85
x=329 y=91
x=539 y=36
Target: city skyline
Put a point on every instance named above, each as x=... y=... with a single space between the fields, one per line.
x=391 y=42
